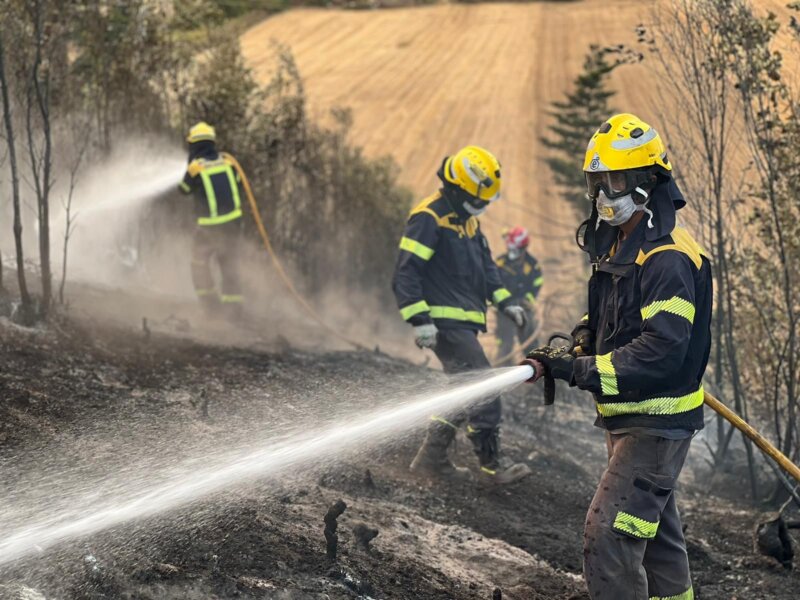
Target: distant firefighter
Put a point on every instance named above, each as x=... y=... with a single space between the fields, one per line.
x=443 y=279
x=522 y=277
x=216 y=187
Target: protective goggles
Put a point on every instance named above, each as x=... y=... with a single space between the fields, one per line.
x=615 y=184
x=476 y=201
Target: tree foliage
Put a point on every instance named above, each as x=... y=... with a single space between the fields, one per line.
x=332 y=212
x=740 y=118
x=578 y=116
x=116 y=69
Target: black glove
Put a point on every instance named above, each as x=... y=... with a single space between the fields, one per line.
x=557 y=361
x=584 y=340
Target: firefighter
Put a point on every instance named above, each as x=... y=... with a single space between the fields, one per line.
x=443 y=278
x=215 y=186
x=642 y=351
x=522 y=276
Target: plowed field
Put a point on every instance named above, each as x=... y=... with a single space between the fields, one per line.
x=424 y=81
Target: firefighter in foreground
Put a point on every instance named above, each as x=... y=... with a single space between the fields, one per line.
x=521 y=276
x=216 y=188
x=443 y=279
x=642 y=351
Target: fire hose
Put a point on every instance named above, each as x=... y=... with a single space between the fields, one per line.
x=759 y=440
x=716 y=405
x=276 y=261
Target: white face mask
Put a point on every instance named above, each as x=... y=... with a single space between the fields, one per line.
x=514 y=253
x=620 y=210
x=475 y=212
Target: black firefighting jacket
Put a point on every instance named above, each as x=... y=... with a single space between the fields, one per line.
x=650 y=309
x=523 y=278
x=444 y=272
x=214 y=184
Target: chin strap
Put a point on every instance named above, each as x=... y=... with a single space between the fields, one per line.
x=645 y=208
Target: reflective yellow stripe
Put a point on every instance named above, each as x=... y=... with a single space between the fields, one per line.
x=185 y=187
x=231 y=298
x=635 y=526
x=687 y=595
x=416 y=248
x=488 y=471
x=211 y=197
x=201 y=293
x=500 y=295
x=234 y=214
x=458 y=314
x=676 y=306
x=585 y=318
x=530 y=297
x=608 y=375
x=667 y=405
x=414 y=309
x=442 y=420
x=538 y=281
x=237 y=201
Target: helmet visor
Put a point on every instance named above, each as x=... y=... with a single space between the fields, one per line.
x=613 y=183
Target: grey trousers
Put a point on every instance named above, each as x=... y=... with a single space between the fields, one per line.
x=633 y=540
x=459 y=351
x=507 y=331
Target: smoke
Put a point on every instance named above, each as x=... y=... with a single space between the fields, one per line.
x=129 y=257
x=112 y=212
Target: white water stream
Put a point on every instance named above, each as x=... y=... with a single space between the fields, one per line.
x=263 y=458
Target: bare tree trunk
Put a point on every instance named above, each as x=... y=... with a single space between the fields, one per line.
x=41 y=165
x=26 y=308
x=70 y=217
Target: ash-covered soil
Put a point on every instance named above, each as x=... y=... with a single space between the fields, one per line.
x=76 y=399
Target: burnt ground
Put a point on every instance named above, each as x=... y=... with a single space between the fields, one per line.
x=80 y=396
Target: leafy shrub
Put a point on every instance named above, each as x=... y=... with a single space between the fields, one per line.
x=332 y=213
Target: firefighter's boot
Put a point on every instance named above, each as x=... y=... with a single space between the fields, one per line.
x=496 y=469
x=432 y=459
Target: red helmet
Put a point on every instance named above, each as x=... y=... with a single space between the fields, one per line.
x=517 y=238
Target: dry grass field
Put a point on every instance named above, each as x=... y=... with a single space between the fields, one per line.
x=422 y=82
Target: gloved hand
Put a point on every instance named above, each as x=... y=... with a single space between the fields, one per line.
x=516 y=314
x=425 y=335
x=584 y=340
x=557 y=362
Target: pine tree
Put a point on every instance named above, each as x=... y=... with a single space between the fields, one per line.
x=578 y=117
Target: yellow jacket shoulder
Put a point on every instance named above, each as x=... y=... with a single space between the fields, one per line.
x=679 y=240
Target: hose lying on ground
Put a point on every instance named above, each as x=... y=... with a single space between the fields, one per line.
x=277 y=263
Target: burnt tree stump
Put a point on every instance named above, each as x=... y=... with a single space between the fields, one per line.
x=331 y=539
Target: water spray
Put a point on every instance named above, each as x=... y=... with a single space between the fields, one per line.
x=268 y=459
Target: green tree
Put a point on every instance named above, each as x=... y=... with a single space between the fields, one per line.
x=578 y=116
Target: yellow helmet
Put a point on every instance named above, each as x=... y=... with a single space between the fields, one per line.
x=623 y=154
x=200 y=132
x=476 y=171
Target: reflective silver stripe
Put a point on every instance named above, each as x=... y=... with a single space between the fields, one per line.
x=632 y=143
